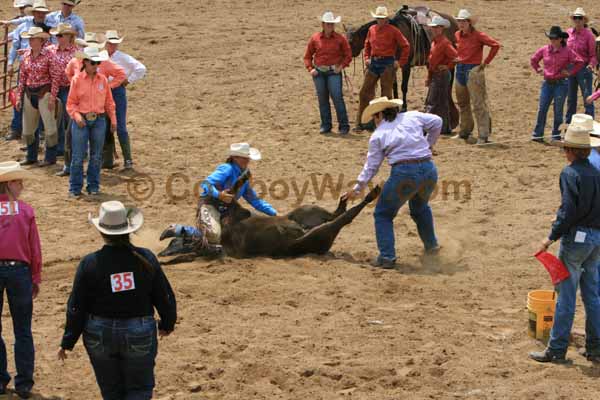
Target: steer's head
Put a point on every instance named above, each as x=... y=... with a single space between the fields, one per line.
x=234 y=214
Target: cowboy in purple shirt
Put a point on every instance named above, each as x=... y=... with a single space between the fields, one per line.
x=405 y=140
x=582 y=42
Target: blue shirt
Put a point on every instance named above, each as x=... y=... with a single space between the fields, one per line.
x=53 y=19
x=595 y=159
x=580 y=205
x=18 y=42
x=224 y=178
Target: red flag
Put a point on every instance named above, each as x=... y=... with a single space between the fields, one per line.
x=557 y=270
x=12 y=96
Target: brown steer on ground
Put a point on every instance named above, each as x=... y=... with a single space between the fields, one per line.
x=305 y=230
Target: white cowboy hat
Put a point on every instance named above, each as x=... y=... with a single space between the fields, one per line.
x=378 y=105
x=92 y=39
x=585 y=122
x=466 y=15
x=12 y=171
x=115 y=219
x=380 y=13
x=579 y=12
x=71 y=2
x=40 y=5
x=113 y=37
x=244 y=150
x=22 y=3
x=35 y=32
x=439 y=21
x=93 y=54
x=329 y=18
x=63 y=29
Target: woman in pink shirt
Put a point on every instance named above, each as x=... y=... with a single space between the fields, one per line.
x=20 y=274
x=582 y=42
x=559 y=63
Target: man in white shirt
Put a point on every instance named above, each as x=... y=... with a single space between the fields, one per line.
x=405 y=139
x=135 y=71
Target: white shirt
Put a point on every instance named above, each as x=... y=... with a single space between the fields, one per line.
x=402 y=139
x=134 y=69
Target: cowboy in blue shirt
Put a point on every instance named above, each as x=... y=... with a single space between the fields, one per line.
x=577 y=225
x=216 y=196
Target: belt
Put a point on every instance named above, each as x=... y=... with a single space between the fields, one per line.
x=92 y=116
x=381 y=58
x=413 y=161
x=325 y=68
x=111 y=320
x=39 y=91
x=11 y=263
x=554 y=81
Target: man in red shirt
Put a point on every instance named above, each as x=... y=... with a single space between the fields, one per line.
x=470 y=78
x=386 y=50
x=327 y=54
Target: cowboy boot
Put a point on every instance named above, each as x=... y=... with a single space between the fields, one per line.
x=126 y=149
x=547 y=356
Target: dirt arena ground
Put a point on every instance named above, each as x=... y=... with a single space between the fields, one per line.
x=327 y=327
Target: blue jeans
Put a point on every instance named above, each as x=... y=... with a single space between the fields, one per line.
x=17 y=282
x=462 y=72
x=584 y=80
x=414 y=183
x=330 y=84
x=94 y=133
x=123 y=354
x=16 y=124
x=378 y=66
x=33 y=149
x=582 y=260
x=556 y=92
x=120 y=97
x=186 y=230
x=63 y=94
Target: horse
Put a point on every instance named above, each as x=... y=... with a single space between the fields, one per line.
x=305 y=230
x=416 y=34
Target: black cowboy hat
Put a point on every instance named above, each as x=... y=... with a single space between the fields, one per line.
x=557 y=33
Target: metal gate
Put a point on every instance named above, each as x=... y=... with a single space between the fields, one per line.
x=7 y=78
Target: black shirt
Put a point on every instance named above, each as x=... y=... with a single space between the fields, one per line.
x=580 y=192
x=113 y=283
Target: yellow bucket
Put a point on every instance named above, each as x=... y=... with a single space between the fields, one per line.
x=541 y=305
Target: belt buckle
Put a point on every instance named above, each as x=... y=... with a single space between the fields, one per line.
x=91 y=116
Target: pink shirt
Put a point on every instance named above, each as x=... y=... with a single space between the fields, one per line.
x=19 y=238
x=583 y=44
x=555 y=61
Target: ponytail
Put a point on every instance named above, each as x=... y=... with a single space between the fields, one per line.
x=124 y=241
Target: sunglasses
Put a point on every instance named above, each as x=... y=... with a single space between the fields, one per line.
x=95 y=62
x=577 y=17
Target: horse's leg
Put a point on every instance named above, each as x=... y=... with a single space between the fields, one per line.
x=320 y=239
x=405 y=80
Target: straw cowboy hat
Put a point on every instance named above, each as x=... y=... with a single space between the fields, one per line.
x=63 y=29
x=244 y=150
x=115 y=219
x=71 y=2
x=12 y=171
x=557 y=33
x=22 y=3
x=93 y=54
x=378 y=105
x=579 y=12
x=586 y=122
x=439 y=21
x=92 y=39
x=35 y=32
x=380 y=13
x=113 y=37
x=466 y=15
x=41 y=6
x=329 y=18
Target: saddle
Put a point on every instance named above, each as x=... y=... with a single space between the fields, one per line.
x=419 y=18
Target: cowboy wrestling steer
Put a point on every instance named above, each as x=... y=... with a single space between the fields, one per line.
x=305 y=230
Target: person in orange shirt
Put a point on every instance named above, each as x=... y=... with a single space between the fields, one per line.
x=383 y=44
x=470 y=78
x=90 y=102
x=441 y=61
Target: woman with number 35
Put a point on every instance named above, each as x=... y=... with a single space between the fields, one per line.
x=20 y=274
x=115 y=292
